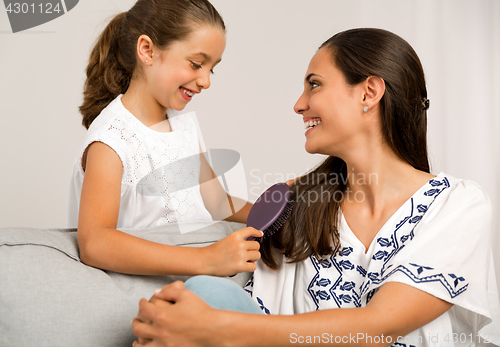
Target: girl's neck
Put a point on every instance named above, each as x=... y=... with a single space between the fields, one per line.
x=142 y=105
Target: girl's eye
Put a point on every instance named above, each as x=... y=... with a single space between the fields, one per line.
x=196 y=66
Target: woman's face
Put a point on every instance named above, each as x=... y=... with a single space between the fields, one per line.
x=329 y=107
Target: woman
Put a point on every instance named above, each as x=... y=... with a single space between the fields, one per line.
x=402 y=252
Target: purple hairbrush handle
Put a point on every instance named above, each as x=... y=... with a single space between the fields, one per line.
x=268 y=207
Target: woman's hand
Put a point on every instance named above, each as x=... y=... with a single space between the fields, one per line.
x=175 y=316
x=233 y=254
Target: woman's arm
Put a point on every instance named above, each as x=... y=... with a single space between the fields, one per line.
x=181 y=317
x=103 y=246
x=220 y=204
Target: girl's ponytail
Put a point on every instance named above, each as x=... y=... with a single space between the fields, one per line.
x=107 y=73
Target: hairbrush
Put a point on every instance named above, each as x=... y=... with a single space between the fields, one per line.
x=271 y=210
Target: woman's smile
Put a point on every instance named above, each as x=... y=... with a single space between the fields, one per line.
x=311 y=123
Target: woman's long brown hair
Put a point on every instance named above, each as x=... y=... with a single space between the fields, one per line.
x=312 y=227
x=113 y=60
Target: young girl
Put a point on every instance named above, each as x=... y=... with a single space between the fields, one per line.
x=379 y=252
x=153 y=58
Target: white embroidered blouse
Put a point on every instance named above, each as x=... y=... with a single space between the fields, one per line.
x=438 y=242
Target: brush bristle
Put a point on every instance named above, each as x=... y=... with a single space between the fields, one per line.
x=278 y=223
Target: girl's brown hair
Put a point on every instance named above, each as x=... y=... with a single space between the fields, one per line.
x=113 y=59
x=312 y=227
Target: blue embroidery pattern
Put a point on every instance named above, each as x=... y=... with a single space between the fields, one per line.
x=454 y=290
x=261 y=305
x=341 y=292
x=249 y=286
x=249 y=289
x=329 y=285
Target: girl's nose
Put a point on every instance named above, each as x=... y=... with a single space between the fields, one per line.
x=204 y=80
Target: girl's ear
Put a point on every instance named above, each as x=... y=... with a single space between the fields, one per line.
x=145 y=49
x=373 y=90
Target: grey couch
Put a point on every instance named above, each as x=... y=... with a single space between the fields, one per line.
x=48 y=297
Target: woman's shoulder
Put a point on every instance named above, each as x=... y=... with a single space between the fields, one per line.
x=463 y=189
x=455 y=196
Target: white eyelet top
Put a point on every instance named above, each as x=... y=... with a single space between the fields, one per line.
x=160 y=181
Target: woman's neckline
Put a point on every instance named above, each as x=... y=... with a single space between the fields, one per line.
x=407 y=201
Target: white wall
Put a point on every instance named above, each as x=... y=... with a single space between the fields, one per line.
x=249 y=107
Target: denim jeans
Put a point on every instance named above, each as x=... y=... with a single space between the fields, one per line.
x=222 y=293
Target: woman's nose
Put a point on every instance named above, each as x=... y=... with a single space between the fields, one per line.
x=301 y=105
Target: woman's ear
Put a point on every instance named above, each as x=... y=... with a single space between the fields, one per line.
x=145 y=49
x=373 y=90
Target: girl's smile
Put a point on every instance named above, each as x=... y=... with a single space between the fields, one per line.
x=187 y=93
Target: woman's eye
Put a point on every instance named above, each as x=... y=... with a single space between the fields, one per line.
x=313 y=84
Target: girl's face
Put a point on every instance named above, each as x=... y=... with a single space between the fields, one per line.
x=183 y=69
x=331 y=109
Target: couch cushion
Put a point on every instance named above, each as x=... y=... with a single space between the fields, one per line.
x=48 y=297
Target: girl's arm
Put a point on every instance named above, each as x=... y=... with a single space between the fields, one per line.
x=180 y=317
x=103 y=246
x=220 y=204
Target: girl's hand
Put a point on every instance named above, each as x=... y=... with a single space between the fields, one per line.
x=174 y=316
x=233 y=254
